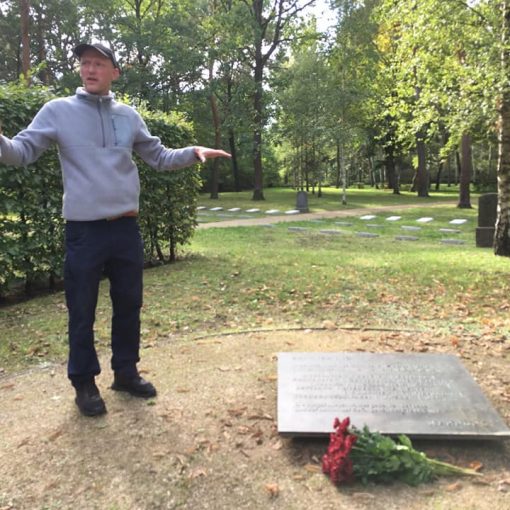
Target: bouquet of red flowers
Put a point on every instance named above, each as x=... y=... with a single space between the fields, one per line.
x=369 y=456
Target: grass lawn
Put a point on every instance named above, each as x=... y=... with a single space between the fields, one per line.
x=331 y=199
x=243 y=278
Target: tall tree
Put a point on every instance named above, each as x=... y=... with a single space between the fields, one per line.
x=502 y=234
x=25 y=38
x=269 y=21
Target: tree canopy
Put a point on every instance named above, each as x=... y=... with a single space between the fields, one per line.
x=397 y=93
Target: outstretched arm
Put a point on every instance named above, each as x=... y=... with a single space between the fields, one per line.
x=204 y=153
x=28 y=145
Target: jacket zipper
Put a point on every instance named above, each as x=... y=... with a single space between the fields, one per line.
x=100 y=111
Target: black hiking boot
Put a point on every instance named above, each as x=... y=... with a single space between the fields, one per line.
x=134 y=385
x=88 y=399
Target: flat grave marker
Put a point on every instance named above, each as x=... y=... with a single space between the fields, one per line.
x=331 y=231
x=425 y=219
x=410 y=228
x=367 y=217
x=393 y=218
x=459 y=221
x=368 y=235
x=214 y=209
x=450 y=230
x=406 y=238
x=292 y=211
x=343 y=223
x=453 y=241
x=421 y=395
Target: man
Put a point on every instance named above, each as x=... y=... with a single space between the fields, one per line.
x=96 y=136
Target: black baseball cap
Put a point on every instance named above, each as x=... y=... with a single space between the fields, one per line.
x=104 y=50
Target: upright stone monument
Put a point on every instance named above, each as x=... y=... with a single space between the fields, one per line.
x=487 y=214
x=302 y=202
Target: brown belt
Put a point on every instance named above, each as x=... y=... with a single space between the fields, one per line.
x=129 y=214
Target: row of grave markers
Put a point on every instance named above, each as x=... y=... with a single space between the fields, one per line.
x=366 y=217
x=238 y=209
x=425 y=219
x=369 y=235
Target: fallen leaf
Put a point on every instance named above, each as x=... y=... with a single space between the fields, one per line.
x=313 y=468
x=197 y=473
x=236 y=412
x=277 y=446
x=477 y=466
x=55 y=435
x=454 y=487
x=269 y=378
x=329 y=325
x=260 y=417
x=273 y=489
x=363 y=495
x=23 y=442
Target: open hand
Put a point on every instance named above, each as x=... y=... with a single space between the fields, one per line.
x=204 y=153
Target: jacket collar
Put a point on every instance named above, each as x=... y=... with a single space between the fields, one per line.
x=81 y=93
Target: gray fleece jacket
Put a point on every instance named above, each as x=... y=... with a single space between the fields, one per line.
x=95 y=136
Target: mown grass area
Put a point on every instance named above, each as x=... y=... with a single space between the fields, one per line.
x=244 y=278
x=331 y=199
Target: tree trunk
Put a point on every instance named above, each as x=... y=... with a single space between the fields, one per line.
x=235 y=164
x=258 y=184
x=25 y=38
x=421 y=181
x=466 y=170
x=337 y=162
x=41 y=44
x=501 y=236
x=217 y=144
x=391 y=169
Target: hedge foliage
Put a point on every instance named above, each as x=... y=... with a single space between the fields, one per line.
x=31 y=225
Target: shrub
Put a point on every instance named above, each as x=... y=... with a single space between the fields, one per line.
x=31 y=245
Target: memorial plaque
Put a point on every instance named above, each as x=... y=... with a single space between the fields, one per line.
x=421 y=395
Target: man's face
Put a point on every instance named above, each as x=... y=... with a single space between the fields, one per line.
x=97 y=72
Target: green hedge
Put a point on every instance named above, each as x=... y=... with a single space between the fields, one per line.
x=31 y=242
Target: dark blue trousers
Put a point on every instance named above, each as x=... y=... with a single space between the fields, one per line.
x=94 y=249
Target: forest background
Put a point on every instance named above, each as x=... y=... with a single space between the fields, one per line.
x=392 y=94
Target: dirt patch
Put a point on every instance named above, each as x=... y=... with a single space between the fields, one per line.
x=209 y=440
